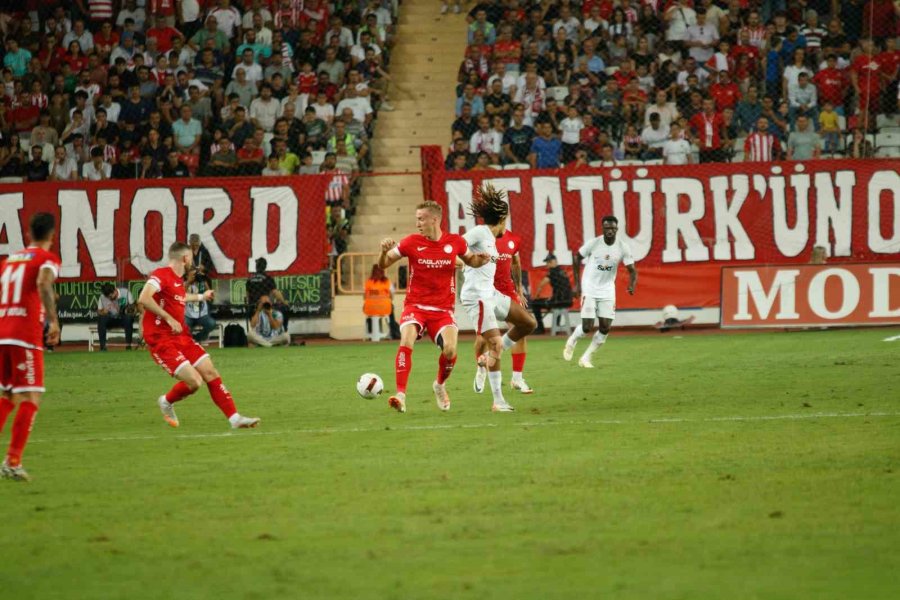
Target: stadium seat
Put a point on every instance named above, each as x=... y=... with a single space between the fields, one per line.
x=318 y=157
x=888 y=152
x=611 y=70
x=739 y=143
x=496 y=167
x=559 y=92
x=629 y=163
x=515 y=166
x=738 y=156
x=884 y=120
x=895 y=130
x=888 y=138
x=655 y=161
x=842 y=122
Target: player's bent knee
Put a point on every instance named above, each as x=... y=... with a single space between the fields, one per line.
x=449 y=350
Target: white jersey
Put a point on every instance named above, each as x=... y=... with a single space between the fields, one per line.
x=599 y=277
x=479 y=282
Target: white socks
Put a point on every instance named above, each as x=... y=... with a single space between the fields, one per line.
x=507 y=342
x=576 y=335
x=496 y=379
x=598 y=340
x=516 y=376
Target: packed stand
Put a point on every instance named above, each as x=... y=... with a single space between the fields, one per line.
x=143 y=89
x=605 y=82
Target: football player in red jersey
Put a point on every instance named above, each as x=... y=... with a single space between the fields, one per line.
x=508 y=281
x=430 y=297
x=26 y=301
x=170 y=343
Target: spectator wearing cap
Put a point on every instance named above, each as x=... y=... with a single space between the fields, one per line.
x=560 y=294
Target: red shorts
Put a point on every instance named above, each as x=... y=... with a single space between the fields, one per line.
x=175 y=352
x=431 y=321
x=21 y=369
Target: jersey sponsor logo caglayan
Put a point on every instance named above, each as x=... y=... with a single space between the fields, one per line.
x=434 y=263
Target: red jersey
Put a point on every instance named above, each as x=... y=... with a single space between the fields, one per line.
x=708 y=130
x=21 y=309
x=508 y=246
x=761 y=147
x=432 y=270
x=169 y=295
x=867 y=69
x=889 y=60
x=831 y=84
x=726 y=95
x=162 y=8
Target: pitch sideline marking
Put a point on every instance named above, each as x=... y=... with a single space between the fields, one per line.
x=661 y=421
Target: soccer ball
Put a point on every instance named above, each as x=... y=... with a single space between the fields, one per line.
x=369 y=385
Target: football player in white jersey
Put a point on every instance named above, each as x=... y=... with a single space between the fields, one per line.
x=598 y=287
x=486 y=306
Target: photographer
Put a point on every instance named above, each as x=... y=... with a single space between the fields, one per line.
x=267 y=326
x=115 y=309
x=196 y=314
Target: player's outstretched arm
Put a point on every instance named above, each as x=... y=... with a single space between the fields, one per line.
x=45 y=280
x=389 y=253
x=632 y=281
x=476 y=260
x=149 y=304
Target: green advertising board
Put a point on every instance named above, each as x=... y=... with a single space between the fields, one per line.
x=306 y=295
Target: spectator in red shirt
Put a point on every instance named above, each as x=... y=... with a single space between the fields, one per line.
x=882 y=16
x=831 y=84
x=24 y=115
x=75 y=58
x=707 y=128
x=865 y=75
x=590 y=135
x=162 y=32
x=725 y=92
x=105 y=40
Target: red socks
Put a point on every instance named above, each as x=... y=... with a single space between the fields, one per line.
x=222 y=397
x=445 y=368
x=6 y=406
x=402 y=367
x=518 y=361
x=21 y=427
x=179 y=391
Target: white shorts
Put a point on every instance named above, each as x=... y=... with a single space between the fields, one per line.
x=488 y=313
x=598 y=308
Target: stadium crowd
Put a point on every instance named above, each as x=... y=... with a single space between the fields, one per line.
x=125 y=89
x=601 y=82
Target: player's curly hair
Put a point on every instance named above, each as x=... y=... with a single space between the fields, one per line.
x=489 y=205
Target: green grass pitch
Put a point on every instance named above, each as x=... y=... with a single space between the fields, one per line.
x=737 y=466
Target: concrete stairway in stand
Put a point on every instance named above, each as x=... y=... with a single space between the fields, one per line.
x=423 y=66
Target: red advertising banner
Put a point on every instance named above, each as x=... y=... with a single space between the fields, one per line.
x=684 y=223
x=121 y=229
x=811 y=295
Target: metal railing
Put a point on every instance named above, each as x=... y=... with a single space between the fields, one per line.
x=353 y=268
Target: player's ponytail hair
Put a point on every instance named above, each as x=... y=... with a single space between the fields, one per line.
x=178 y=249
x=489 y=205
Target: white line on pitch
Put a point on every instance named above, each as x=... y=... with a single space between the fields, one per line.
x=325 y=430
